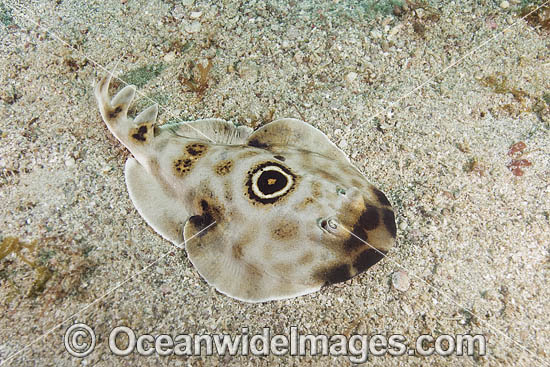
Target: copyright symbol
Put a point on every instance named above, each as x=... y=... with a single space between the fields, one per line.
x=79 y=340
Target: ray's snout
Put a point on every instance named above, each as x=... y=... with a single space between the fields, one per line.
x=366 y=231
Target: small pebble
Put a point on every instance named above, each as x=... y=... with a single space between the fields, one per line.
x=400 y=281
x=195 y=15
x=375 y=34
x=194 y=27
x=293 y=33
x=395 y=29
x=505 y=5
x=350 y=77
x=248 y=70
x=69 y=162
x=169 y=57
x=407 y=309
x=178 y=12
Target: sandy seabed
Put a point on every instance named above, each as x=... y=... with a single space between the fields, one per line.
x=427 y=102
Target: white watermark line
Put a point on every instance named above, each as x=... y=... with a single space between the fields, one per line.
x=99 y=66
x=449 y=298
x=49 y=331
x=445 y=69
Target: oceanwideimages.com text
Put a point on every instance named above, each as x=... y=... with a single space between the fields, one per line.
x=124 y=341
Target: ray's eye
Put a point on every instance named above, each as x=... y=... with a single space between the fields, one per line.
x=269 y=181
x=340 y=191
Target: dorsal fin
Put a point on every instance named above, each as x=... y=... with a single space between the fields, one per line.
x=298 y=134
x=215 y=130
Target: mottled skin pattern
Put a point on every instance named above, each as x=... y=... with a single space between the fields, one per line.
x=285 y=212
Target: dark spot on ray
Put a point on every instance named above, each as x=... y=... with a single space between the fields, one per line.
x=316 y=189
x=183 y=165
x=354 y=242
x=114 y=113
x=256 y=143
x=369 y=219
x=205 y=219
x=285 y=230
x=140 y=134
x=389 y=221
x=196 y=149
x=193 y=151
x=381 y=197
x=223 y=167
x=279 y=157
x=186 y=163
x=237 y=251
x=336 y=274
x=368 y=258
x=201 y=221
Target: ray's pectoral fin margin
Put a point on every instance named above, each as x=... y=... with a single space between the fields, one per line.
x=114 y=111
x=342 y=272
x=158 y=206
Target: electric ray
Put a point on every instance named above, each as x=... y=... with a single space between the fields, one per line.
x=268 y=214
